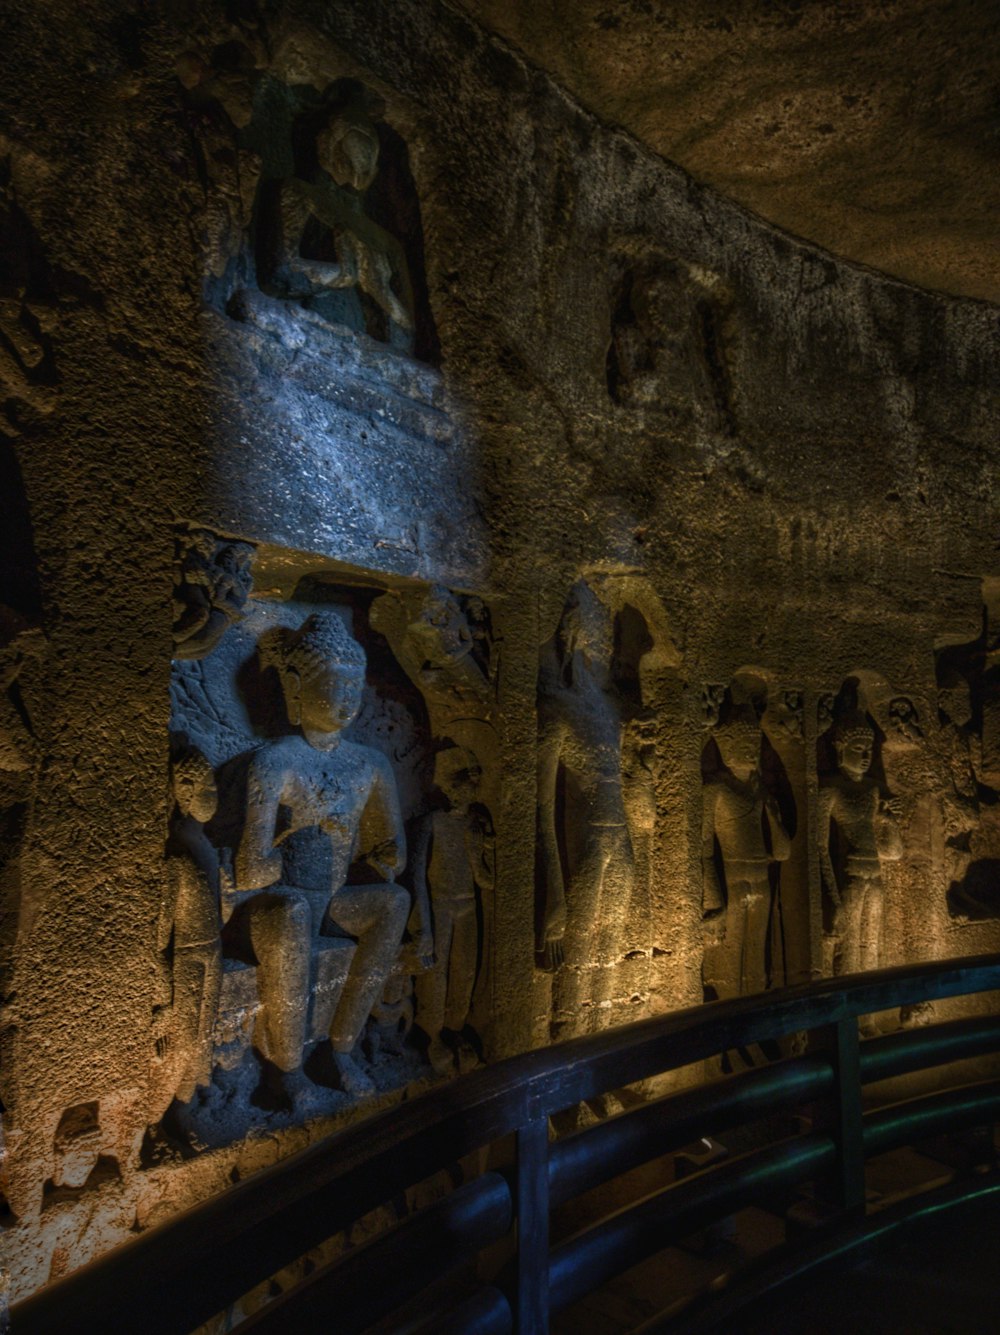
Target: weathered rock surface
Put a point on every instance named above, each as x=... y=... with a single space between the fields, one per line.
x=773 y=471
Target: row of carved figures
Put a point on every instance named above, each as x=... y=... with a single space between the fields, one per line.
x=746 y=836
x=326 y=959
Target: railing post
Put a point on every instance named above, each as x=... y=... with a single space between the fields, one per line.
x=849 y=1182
x=533 y=1226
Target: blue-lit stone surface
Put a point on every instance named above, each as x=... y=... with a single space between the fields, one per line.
x=330 y=442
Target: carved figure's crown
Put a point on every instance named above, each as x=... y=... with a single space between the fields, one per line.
x=742 y=722
x=853 y=727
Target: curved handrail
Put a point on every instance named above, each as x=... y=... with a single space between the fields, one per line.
x=187 y=1269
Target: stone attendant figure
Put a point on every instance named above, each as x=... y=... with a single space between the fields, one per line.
x=313 y=234
x=585 y=911
x=434 y=642
x=188 y=941
x=454 y=853
x=857 y=830
x=315 y=780
x=742 y=820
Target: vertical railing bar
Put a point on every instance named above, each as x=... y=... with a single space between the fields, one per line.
x=849 y=1127
x=533 y=1224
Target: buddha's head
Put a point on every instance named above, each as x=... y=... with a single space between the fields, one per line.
x=348 y=148
x=738 y=740
x=195 y=790
x=322 y=669
x=854 y=744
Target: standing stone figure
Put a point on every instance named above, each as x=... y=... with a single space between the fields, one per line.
x=741 y=820
x=314 y=236
x=190 y=950
x=315 y=780
x=585 y=908
x=857 y=830
x=454 y=853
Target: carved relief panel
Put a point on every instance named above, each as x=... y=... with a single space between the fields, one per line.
x=668 y=354
x=310 y=198
x=331 y=855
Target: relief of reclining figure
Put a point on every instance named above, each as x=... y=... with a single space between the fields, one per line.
x=307 y=781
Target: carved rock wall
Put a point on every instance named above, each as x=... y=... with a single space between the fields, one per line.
x=772 y=472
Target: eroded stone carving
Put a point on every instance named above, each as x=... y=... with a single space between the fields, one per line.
x=317 y=780
x=905 y=719
x=824 y=711
x=189 y=949
x=968 y=798
x=585 y=903
x=712 y=696
x=444 y=655
x=857 y=830
x=21 y=650
x=212 y=583
x=668 y=341
x=453 y=855
x=28 y=311
x=743 y=836
x=77 y=1146
x=960 y=796
x=315 y=235
x=219 y=86
x=789 y=714
x=20 y=645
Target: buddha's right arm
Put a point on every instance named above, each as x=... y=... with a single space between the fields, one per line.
x=258 y=862
x=297 y=206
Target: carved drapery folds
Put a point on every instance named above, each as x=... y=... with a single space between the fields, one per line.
x=596 y=807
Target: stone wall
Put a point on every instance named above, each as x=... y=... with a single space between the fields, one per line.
x=642 y=514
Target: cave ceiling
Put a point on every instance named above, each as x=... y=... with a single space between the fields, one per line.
x=872 y=129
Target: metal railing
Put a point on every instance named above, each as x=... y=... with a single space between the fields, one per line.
x=179 y=1275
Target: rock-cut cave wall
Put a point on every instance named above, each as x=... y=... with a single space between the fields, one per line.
x=463 y=585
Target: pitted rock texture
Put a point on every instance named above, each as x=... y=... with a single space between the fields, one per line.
x=871 y=127
x=765 y=462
